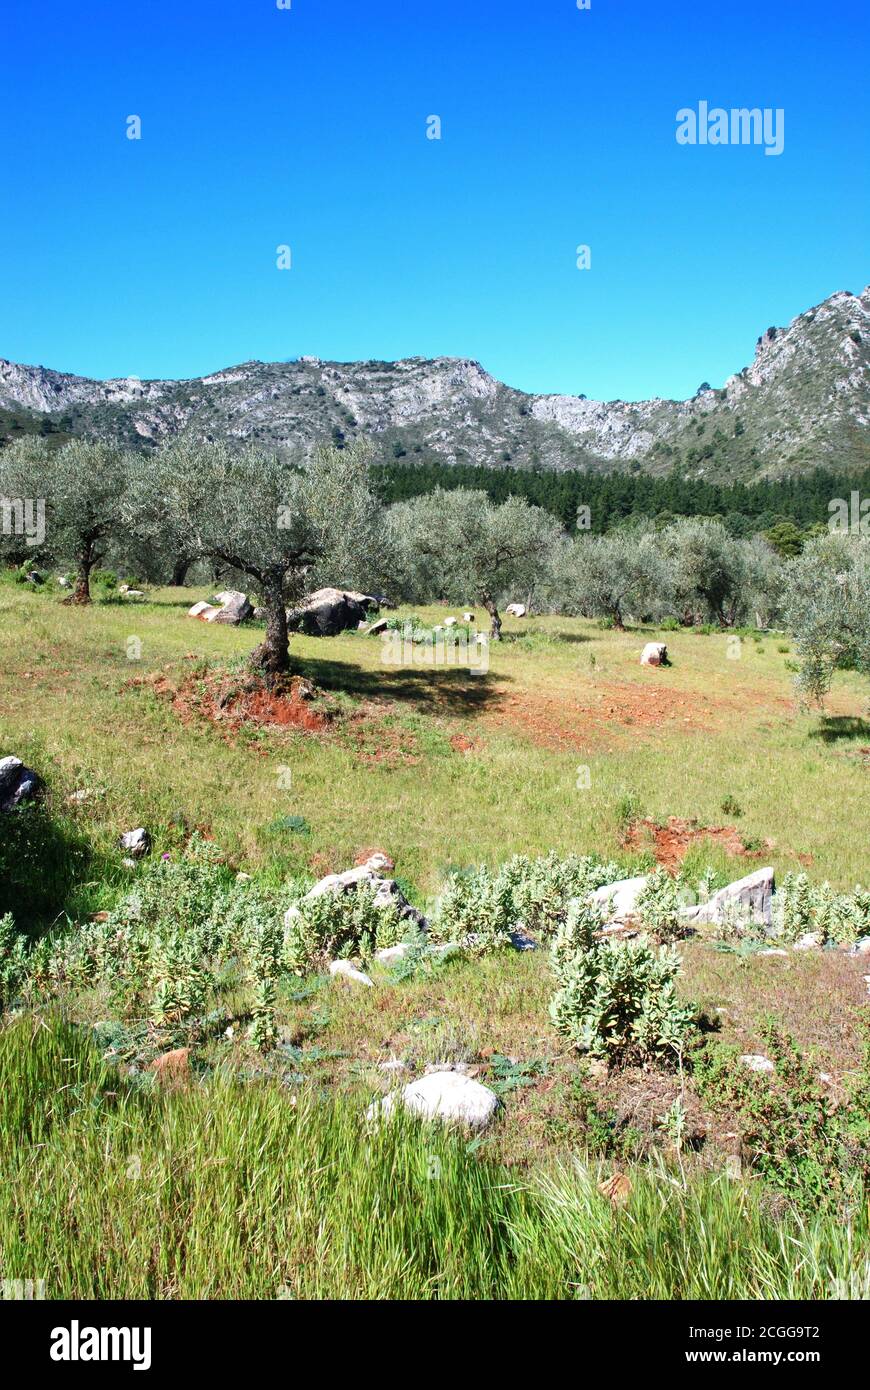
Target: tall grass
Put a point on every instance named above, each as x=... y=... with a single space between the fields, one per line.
x=116 y=1189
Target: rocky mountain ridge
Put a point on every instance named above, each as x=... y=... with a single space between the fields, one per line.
x=803 y=401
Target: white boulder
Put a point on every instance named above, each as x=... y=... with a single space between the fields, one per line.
x=756 y=1062
x=448 y=1096
x=135 y=842
x=17 y=783
x=348 y=971
x=516 y=610
x=747 y=900
x=654 y=654
x=618 y=901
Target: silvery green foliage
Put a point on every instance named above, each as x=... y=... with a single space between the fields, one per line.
x=338 y=926
x=575 y=936
x=609 y=576
x=460 y=545
x=618 y=1001
x=658 y=906
x=163 y=949
x=279 y=525
x=826 y=608
x=476 y=910
x=84 y=486
x=542 y=888
x=802 y=906
x=708 y=570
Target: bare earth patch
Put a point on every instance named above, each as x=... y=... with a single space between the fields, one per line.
x=671 y=843
x=557 y=721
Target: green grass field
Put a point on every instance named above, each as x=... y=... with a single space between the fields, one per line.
x=257 y=1177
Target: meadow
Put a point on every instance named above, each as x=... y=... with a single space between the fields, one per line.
x=255 y=1175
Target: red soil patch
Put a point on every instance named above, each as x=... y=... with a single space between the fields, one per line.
x=362 y=856
x=462 y=743
x=609 y=707
x=230 y=701
x=671 y=843
x=379 y=742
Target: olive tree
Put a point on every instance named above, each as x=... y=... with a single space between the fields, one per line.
x=826 y=606
x=263 y=517
x=460 y=545
x=606 y=576
x=707 y=570
x=83 y=489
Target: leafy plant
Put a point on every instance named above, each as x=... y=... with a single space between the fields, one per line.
x=617 y=999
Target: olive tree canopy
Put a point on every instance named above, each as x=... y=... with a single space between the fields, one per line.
x=83 y=489
x=461 y=546
x=263 y=517
x=826 y=605
x=606 y=576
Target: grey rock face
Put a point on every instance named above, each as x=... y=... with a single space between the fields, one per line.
x=328 y=612
x=748 y=899
x=17 y=783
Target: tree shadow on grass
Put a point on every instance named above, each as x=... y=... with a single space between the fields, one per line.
x=43 y=860
x=444 y=690
x=834 y=727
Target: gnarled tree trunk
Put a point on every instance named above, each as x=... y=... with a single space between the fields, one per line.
x=494 y=619
x=272 y=657
x=87 y=559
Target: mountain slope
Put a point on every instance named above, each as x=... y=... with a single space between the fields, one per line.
x=804 y=401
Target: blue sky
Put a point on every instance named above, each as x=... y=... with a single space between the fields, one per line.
x=307 y=127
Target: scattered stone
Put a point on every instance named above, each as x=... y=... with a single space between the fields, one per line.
x=450 y=622
x=377 y=628
x=810 y=941
x=85 y=794
x=173 y=1067
x=393 y=1065
x=516 y=610
x=734 y=1167
x=17 y=783
x=468 y=617
x=327 y=612
x=654 y=654
x=749 y=899
x=861 y=948
x=62 y=582
x=521 y=941
x=389 y=955
x=772 y=951
x=616 y=1189
x=234 y=608
x=756 y=1062
x=135 y=842
x=387 y=892
x=619 y=900
x=206 y=611
x=35 y=577
x=442 y=1095
x=349 y=971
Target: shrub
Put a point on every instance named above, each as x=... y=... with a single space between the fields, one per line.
x=13 y=960
x=658 y=906
x=802 y=906
x=337 y=926
x=541 y=889
x=801 y=1142
x=477 y=911
x=617 y=999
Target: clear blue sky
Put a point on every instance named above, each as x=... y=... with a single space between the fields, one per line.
x=307 y=127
